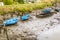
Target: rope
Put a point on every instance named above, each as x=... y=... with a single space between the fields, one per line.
x=1 y=24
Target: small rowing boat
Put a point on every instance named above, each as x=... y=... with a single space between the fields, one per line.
x=45 y=13
x=10 y=21
x=25 y=17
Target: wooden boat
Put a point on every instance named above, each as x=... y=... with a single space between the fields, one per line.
x=43 y=15
x=47 y=10
x=25 y=17
x=46 y=13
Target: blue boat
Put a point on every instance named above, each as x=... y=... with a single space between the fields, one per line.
x=11 y=21
x=47 y=10
x=25 y=17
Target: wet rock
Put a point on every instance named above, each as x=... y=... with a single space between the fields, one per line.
x=1 y=21
x=1 y=4
x=14 y=15
x=7 y=16
x=29 y=38
x=22 y=36
x=2 y=34
x=1 y=17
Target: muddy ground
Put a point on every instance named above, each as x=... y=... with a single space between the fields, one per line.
x=30 y=29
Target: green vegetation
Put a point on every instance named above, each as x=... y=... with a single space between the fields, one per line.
x=22 y=7
x=8 y=2
x=0 y=0
x=20 y=1
x=58 y=1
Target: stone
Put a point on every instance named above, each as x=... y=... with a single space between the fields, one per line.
x=7 y=16
x=1 y=17
x=1 y=4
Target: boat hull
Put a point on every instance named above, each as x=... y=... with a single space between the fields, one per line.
x=11 y=21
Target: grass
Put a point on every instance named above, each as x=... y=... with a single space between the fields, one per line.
x=23 y=7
